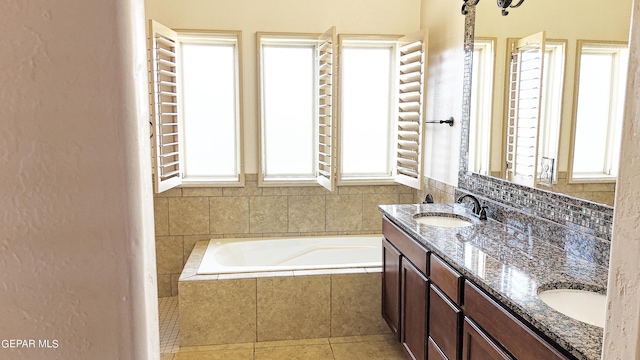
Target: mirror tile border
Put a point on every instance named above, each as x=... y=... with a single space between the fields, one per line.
x=584 y=216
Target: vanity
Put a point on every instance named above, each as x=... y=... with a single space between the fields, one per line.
x=468 y=288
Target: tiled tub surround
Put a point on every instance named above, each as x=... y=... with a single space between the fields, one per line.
x=286 y=305
x=512 y=265
x=184 y=216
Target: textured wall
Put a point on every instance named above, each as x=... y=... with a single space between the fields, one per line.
x=76 y=233
x=622 y=329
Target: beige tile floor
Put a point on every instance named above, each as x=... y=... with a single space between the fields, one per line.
x=372 y=347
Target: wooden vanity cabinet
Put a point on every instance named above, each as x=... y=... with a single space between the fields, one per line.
x=498 y=326
x=438 y=315
x=405 y=289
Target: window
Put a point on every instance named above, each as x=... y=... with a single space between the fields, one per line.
x=367 y=98
x=481 y=105
x=381 y=102
x=550 y=110
x=196 y=117
x=599 y=101
x=288 y=108
x=297 y=110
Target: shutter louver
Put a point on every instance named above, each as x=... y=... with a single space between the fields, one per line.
x=523 y=113
x=164 y=108
x=408 y=169
x=326 y=109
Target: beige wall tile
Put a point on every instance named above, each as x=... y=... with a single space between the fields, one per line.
x=189 y=243
x=161 y=216
x=268 y=214
x=272 y=191
x=229 y=215
x=293 y=307
x=217 y=312
x=371 y=216
x=201 y=191
x=409 y=199
x=169 y=254
x=175 y=192
x=250 y=188
x=314 y=190
x=164 y=285
x=174 y=284
x=355 y=305
x=344 y=212
x=306 y=213
x=356 y=189
x=188 y=216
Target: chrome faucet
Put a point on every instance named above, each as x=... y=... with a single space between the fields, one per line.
x=478 y=210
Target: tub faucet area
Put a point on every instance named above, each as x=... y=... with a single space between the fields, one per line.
x=479 y=210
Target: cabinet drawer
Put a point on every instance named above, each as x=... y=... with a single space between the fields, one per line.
x=478 y=345
x=417 y=254
x=446 y=278
x=445 y=323
x=516 y=337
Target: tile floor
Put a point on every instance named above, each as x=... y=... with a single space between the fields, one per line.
x=372 y=347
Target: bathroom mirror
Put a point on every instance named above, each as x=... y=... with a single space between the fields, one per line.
x=568 y=29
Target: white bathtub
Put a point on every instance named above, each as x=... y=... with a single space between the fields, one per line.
x=225 y=256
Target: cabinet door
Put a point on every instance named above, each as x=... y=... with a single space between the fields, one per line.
x=445 y=323
x=479 y=346
x=391 y=286
x=413 y=320
x=512 y=334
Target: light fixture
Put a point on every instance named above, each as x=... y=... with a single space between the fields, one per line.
x=502 y=4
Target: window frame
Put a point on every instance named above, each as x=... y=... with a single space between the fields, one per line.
x=217 y=36
x=274 y=38
x=482 y=104
x=617 y=93
x=368 y=41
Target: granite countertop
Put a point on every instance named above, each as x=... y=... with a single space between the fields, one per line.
x=512 y=266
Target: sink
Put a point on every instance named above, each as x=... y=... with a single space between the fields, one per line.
x=443 y=220
x=583 y=305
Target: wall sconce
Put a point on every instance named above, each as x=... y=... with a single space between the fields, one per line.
x=502 y=4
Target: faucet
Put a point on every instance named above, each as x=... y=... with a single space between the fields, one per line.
x=478 y=210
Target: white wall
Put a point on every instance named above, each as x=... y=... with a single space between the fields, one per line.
x=349 y=17
x=622 y=329
x=444 y=87
x=76 y=216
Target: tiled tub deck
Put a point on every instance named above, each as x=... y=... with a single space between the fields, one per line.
x=268 y=306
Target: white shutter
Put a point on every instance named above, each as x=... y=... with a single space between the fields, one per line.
x=163 y=84
x=523 y=113
x=409 y=162
x=326 y=53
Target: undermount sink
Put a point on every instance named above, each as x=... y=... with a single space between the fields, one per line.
x=443 y=220
x=583 y=305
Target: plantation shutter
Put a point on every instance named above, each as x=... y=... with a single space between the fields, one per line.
x=523 y=113
x=326 y=53
x=409 y=163
x=163 y=85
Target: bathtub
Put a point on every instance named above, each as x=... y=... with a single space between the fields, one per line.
x=252 y=255
x=251 y=290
